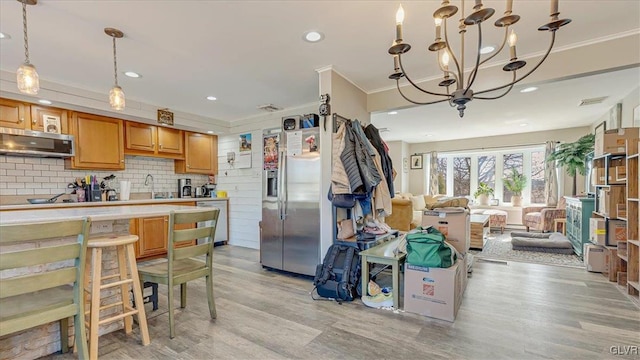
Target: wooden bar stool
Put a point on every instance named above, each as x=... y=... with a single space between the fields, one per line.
x=124 y=249
x=563 y=224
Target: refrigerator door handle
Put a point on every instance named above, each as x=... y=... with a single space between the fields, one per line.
x=285 y=191
x=280 y=215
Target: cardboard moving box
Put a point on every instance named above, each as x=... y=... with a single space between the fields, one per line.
x=607 y=234
x=454 y=223
x=614 y=141
x=594 y=258
x=434 y=292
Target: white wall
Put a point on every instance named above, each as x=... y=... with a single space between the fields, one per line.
x=399 y=151
x=629 y=103
x=244 y=186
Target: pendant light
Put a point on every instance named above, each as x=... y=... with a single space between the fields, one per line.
x=116 y=95
x=27 y=76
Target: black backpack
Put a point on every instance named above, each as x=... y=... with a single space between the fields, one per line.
x=338 y=277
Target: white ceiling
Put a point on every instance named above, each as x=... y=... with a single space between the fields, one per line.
x=248 y=53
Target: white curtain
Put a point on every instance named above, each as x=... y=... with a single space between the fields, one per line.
x=433 y=173
x=550 y=174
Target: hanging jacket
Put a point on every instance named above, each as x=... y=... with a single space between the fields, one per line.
x=339 y=178
x=387 y=166
x=350 y=162
x=369 y=175
x=381 y=196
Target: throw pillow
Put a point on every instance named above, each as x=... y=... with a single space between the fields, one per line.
x=418 y=202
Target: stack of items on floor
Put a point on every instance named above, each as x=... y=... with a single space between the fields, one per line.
x=601 y=255
x=435 y=274
x=554 y=242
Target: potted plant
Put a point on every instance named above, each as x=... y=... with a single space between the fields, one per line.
x=483 y=192
x=515 y=183
x=572 y=156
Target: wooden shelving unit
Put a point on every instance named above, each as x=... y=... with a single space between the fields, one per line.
x=633 y=222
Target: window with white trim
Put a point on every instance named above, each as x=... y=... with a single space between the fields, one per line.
x=460 y=173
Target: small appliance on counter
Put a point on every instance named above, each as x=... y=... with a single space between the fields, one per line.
x=208 y=190
x=184 y=188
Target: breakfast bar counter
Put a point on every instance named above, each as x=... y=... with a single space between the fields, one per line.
x=99 y=213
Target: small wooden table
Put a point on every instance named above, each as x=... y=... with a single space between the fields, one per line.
x=383 y=254
x=479 y=230
x=562 y=222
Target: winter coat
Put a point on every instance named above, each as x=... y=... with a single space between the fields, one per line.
x=387 y=166
x=381 y=196
x=339 y=178
x=369 y=176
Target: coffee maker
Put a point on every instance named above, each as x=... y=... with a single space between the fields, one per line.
x=184 y=188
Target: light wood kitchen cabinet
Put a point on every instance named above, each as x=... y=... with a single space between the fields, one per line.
x=19 y=115
x=39 y=112
x=14 y=114
x=200 y=156
x=153 y=236
x=99 y=142
x=151 y=140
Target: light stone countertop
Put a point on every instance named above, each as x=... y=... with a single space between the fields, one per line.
x=96 y=213
x=63 y=205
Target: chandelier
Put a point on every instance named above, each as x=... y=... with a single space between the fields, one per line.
x=116 y=95
x=463 y=92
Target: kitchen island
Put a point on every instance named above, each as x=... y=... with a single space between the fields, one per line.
x=106 y=220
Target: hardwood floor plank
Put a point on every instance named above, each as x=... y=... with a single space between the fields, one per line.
x=512 y=311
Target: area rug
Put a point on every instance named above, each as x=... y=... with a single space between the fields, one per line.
x=498 y=247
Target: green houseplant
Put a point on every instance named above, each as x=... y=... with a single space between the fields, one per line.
x=572 y=156
x=483 y=193
x=515 y=182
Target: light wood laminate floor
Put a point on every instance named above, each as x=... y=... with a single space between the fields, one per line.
x=512 y=311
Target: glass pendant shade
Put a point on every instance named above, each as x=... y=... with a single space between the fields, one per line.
x=27 y=79
x=116 y=98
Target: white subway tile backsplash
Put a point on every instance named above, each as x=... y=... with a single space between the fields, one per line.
x=8 y=166
x=25 y=192
x=15 y=159
x=48 y=161
x=7 y=191
x=40 y=167
x=15 y=172
x=32 y=161
x=24 y=167
x=24 y=179
x=15 y=185
x=7 y=178
x=33 y=173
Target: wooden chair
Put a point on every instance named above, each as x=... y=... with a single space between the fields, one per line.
x=181 y=266
x=54 y=293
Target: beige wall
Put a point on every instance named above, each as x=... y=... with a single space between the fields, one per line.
x=417 y=177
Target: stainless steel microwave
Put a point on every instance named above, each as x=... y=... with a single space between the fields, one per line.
x=21 y=142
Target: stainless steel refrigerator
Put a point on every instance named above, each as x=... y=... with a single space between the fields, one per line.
x=290 y=230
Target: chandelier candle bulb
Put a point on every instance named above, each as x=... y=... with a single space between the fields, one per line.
x=438 y=22
x=513 y=38
x=399 y=20
x=445 y=60
x=554 y=8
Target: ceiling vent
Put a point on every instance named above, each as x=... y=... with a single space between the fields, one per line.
x=592 y=101
x=269 y=107
x=383 y=130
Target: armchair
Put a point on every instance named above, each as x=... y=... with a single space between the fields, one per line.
x=541 y=217
x=401 y=215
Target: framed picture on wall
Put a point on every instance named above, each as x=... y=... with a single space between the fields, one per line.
x=636 y=116
x=416 y=161
x=615 y=117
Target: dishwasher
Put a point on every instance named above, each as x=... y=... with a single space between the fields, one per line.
x=219 y=236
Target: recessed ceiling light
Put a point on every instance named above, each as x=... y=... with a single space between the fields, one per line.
x=132 y=74
x=212 y=98
x=209 y=132
x=4 y=36
x=487 y=49
x=392 y=113
x=313 y=36
x=529 y=89
x=428 y=135
x=45 y=102
x=524 y=124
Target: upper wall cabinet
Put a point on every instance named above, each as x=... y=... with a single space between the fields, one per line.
x=150 y=140
x=99 y=142
x=200 y=156
x=19 y=115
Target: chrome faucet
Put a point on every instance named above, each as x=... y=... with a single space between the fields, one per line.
x=146 y=183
